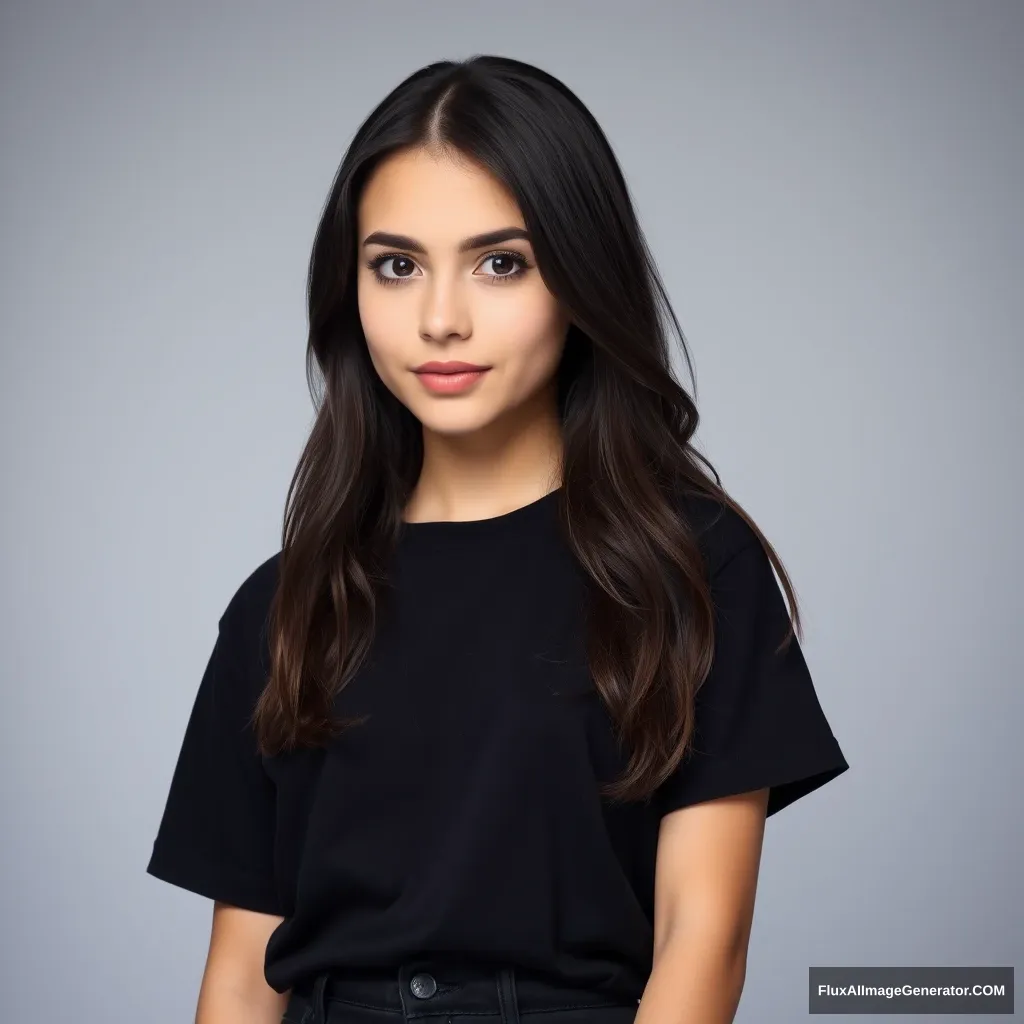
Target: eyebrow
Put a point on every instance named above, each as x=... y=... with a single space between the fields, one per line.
x=466 y=245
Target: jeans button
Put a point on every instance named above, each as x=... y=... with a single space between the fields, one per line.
x=423 y=986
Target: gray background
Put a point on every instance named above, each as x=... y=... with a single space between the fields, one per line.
x=833 y=193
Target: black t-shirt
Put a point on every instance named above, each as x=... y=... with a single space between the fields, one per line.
x=464 y=816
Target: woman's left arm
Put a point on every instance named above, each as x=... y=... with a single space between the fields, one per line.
x=705 y=881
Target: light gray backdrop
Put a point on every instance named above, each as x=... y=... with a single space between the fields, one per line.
x=833 y=193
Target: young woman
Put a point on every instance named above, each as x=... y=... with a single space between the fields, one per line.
x=497 y=730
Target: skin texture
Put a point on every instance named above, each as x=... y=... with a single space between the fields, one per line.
x=497 y=446
x=234 y=990
x=706 y=872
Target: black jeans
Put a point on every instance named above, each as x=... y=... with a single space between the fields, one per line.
x=426 y=992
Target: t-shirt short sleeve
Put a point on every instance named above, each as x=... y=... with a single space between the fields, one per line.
x=758 y=721
x=216 y=836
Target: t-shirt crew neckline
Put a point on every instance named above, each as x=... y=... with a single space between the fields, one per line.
x=480 y=527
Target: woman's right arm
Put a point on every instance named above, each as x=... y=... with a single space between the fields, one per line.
x=234 y=989
x=217 y=833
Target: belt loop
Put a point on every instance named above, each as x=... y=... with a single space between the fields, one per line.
x=319 y=1011
x=507 y=999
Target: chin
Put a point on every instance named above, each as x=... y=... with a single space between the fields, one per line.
x=454 y=422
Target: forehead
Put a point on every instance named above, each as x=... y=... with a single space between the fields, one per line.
x=439 y=199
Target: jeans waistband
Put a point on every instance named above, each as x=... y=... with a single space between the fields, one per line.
x=425 y=988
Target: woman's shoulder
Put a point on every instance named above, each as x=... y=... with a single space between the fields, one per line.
x=243 y=623
x=720 y=531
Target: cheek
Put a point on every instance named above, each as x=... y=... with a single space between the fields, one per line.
x=532 y=349
x=382 y=329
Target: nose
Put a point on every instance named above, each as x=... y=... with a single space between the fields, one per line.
x=445 y=309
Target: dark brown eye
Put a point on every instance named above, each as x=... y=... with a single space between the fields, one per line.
x=402 y=265
x=503 y=265
x=507 y=265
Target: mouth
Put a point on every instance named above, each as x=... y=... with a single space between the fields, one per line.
x=446 y=379
x=451 y=367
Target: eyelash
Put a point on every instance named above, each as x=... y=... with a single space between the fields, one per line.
x=375 y=263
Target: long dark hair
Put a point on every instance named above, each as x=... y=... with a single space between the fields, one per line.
x=626 y=422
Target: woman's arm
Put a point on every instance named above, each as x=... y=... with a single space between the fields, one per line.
x=234 y=989
x=705 y=882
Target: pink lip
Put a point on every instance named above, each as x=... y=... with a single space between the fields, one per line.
x=453 y=366
x=450 y=383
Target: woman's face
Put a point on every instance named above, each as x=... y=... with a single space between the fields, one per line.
x=440 y=294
